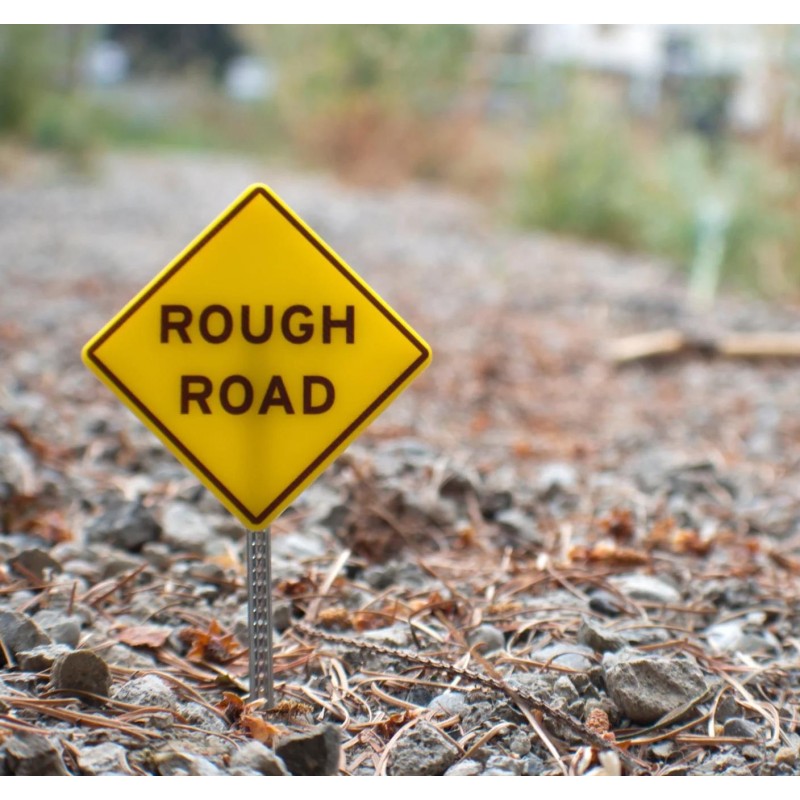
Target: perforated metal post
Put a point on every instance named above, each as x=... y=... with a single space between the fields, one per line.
x=259 y=614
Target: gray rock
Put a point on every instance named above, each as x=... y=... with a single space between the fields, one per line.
x=730 y=763
x=81 y=671
x=313 y=753
x=174 y=762
x=574 y=656
x=663 y=749
x=35 y=562
x=120 y=655
x=598 y=637
x=646 y=588
x=604 y=602
x=533 y=765
x=19 y=633
x=129 y=526
x=103 y=759
x=458 y=483
x=464 y=769
x=59 y=627
x=518 y=526
x=117 y=565
x=149 y=690
x=422 y=750
x=257 y=759
x=555 y=479
x=565 y=688
x=647 y=687
x=186 y=529
x=727 y=709
x=517 y=741
x=41 y=658
x=33 y=754
x=501 y=765
x=494 y=501
x=201 y=717
x=158 y=554
x=449 y=702
x=732 y=636
x=487 y=639
x=738 y=726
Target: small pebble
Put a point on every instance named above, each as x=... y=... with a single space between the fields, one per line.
x=738 y=726
x=465 y=768
x=177 y=763
x=487 y=639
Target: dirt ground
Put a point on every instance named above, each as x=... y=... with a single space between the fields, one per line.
x=535 y=562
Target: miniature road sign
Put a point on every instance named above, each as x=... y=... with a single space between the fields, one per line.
x=257 y=356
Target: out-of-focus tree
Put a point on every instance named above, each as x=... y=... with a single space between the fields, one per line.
x=159 y=49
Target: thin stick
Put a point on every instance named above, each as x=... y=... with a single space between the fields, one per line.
x=259 y=615
x=520 y=696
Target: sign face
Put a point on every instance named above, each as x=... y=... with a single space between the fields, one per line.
x=257 y=356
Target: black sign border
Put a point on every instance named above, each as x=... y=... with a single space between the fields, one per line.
x=330 y=256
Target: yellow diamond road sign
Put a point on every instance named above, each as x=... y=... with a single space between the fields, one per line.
x=257 y=356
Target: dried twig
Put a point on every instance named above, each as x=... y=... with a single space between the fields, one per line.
x=521 y=697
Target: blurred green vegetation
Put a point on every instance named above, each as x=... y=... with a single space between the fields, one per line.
x=41 y=102
x=379 y=104
x=589 y=172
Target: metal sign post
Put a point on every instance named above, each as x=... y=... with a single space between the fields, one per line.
x=259 y=615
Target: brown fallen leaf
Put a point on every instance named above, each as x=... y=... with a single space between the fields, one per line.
x=258 y=729
x=388 y=727
x=144 y=636
x=619 y=524
x=212 y=644
x=607 y=553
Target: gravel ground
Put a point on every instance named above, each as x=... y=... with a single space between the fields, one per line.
x=532 y=563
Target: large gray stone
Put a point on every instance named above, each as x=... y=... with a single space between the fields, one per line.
x=313 y=753
x=422 y=750
x=647 y=687
x=33 y=754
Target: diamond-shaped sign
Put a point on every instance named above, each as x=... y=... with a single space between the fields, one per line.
x=257 y=356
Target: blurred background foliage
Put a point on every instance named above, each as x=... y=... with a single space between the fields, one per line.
x=678 y=141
